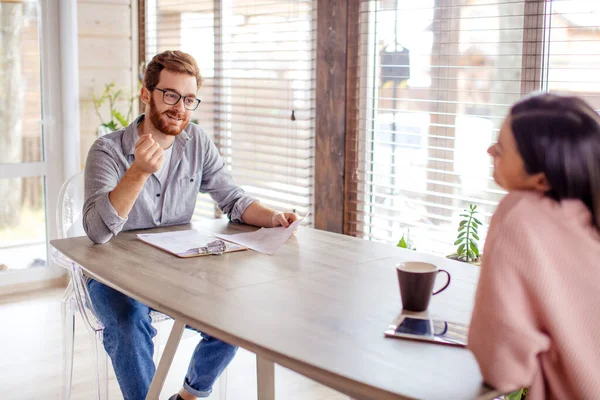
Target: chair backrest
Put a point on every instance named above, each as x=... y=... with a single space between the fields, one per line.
x=69 y=222
x=69 y=210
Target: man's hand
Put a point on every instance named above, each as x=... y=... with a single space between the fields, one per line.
x=283 y=219
x=148 y=155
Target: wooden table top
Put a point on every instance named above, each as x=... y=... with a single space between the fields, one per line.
x=318 y=306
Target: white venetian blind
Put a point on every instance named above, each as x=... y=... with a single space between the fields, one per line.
x=258 y=61
x=437 y=77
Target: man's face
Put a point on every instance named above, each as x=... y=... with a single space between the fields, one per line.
x=171 y=120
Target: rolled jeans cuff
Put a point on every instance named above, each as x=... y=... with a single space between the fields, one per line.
x=195 y=392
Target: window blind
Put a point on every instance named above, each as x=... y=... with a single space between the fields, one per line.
x=258 y=61
x=436 y=79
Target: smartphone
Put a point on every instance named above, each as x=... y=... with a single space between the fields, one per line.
x=430 y=330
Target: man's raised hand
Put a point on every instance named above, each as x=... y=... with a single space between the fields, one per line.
x=148 y=155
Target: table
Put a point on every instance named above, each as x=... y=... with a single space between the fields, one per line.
x=318 y=306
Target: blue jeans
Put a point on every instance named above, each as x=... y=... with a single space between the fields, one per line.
x=128 y=334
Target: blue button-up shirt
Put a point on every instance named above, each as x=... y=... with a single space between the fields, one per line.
x=196 y=166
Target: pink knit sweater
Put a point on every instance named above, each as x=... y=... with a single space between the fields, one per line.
x=536 y=320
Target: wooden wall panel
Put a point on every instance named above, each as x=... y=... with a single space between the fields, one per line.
x=107 y=20
x=105 y=55
x=93 y=80
x=104 y=52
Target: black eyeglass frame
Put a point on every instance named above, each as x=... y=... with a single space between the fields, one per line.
x=164 y=91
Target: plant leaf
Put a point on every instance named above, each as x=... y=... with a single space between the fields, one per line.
x=461 y=249
x=471 y=254
x=462 y=223
x=460 y=228
x=514 y=395
x=119 y=117
x=474 y=248
x=475 y=235
x=463 y=233
x=111 y=125
x=458 y=241
x=477 y=221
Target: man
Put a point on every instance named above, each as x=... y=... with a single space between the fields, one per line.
x=149 y=175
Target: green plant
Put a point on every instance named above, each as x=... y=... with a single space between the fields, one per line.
x=468 y=235
x=518 y=395
x=111 y=95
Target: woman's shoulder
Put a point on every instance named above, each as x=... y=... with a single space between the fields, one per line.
x=522 y=204
x=527 y=211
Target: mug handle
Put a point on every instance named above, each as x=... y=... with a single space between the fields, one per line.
x=447 y=283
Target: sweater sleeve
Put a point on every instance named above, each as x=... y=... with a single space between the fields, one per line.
x=505 y=334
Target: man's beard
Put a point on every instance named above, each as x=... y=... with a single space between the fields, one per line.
x=161 y=125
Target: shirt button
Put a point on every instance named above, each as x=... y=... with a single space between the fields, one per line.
x=157 y=194
x=192 y=180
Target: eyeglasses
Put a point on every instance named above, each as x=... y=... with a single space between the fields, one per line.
x=171 y=98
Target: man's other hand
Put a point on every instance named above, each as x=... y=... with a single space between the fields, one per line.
x=283 y=219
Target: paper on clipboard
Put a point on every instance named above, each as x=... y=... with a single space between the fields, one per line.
x=184 y=243
x=264 y=240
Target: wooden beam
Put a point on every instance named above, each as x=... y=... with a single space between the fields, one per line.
x=352 y=117
x=332 y=25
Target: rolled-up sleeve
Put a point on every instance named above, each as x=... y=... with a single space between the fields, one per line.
x=100 y=219
x=219 y=184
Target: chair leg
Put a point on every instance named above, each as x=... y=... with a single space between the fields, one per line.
x=223 y=385
x=101 y=367
x=68 y=341
x=157 y=344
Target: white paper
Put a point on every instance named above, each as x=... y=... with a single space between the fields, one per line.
x=264 y=240
x=181 y=242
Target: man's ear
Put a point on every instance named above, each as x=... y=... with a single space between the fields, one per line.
x=145 y=95
x=540 y=182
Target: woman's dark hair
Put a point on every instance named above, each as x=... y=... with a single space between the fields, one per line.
x=560 y=136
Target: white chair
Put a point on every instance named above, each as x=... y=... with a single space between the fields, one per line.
x=69 y=218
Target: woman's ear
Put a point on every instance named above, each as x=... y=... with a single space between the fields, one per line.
x=539 y=182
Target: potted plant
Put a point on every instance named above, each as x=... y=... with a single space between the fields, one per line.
x=116 y=120
x=467 y=238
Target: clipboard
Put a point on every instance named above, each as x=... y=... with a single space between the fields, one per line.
x=190 y=243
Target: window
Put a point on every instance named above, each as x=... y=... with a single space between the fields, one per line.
x=31 y=114
x=437 y=78
x=257 y=58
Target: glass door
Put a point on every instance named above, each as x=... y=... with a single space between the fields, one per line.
x=22 y=167
x=38 y=91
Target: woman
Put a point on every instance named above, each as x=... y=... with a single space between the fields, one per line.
x=536 y=321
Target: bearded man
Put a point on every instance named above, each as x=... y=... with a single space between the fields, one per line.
x=148 y=175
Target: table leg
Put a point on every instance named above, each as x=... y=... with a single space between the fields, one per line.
x=165 y=361
x=265 y=373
